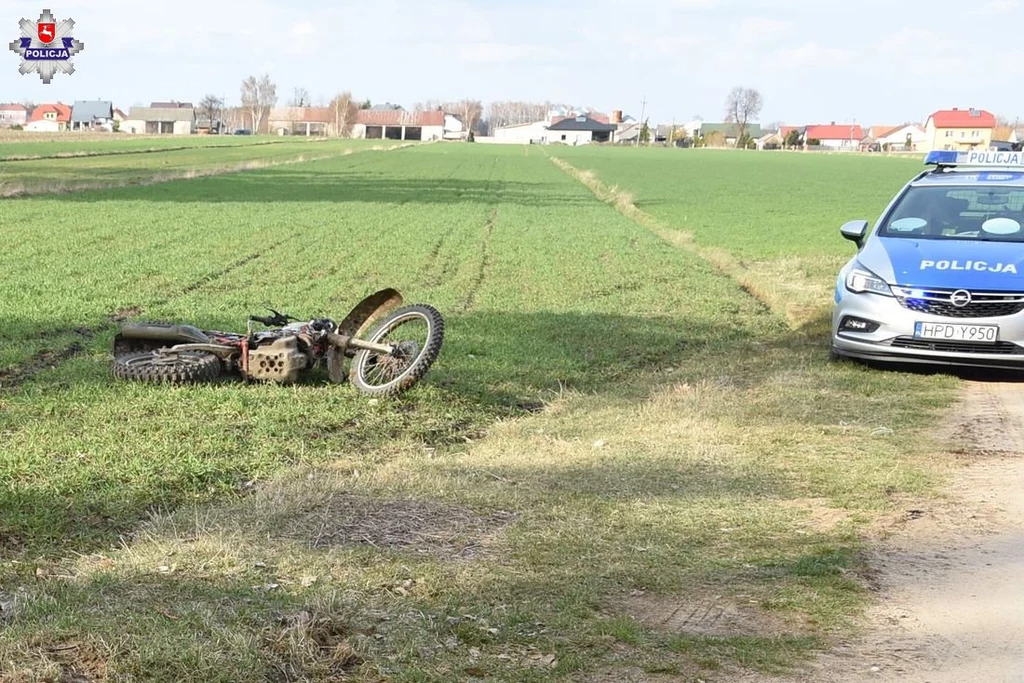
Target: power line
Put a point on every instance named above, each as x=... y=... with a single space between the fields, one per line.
x=640 y=130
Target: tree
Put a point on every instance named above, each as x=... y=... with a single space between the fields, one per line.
x=511 y=113
x=792 y=138
x=366 y=104
x=258 y=96
x=468 y=111
x=344 y=110
x=300 y=98
x=210 y=107
x=742 y=106
x=645 y=133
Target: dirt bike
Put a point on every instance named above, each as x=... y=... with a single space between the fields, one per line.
x=380 y=364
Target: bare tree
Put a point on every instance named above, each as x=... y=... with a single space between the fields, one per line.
x=344 y=111
x=511 y=113
x=742 y=106
x=468 y=111
x=300 y=98
x=258 y=96
x=429 y=105
x=210 y=107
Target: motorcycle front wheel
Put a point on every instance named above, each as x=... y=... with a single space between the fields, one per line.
x=182 y=367
x=416 y=348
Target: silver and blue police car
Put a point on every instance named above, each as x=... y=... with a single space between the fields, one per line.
x=940 y=279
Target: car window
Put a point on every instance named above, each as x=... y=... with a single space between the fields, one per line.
x=982 y=212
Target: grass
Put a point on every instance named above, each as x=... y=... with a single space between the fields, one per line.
x=43 y=175
x=616 y=432
x=17 y=145
x=769 y=219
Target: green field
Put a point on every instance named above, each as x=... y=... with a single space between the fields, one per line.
x=617 y=430
x=26 y=145
x=59 y=174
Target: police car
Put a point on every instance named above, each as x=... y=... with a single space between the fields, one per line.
x=940 y=279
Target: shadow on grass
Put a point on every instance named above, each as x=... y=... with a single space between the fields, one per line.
x=291 y=184
x=492 y=365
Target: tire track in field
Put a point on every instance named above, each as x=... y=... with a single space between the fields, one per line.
x=725 y=262
x=226 y=270
x=485 y=261
x=485 y=245
x=430 y=276
x=46 y=359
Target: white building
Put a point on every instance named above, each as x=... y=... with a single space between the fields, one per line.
x=897 y=138
x=521 y=134
x=177 y=120
x=579 y=130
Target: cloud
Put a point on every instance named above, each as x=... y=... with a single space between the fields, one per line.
x=303 y=29
x=813 y=55
x=998 y=7
x=753 y=30
x=503 y=53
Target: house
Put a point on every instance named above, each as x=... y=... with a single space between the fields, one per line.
x=398 y=124
x=119 y=115
x=13 y=115
x=720 y=134
x=909 y=137
x=579 y=130
x=628 y=133
x=843 y=136
x=522 y=133
x=454 y=128
x=771 y=139
x=959 y=129
x=92 y=115
x=174 y=119
x=790 y=133
x=49 y=118
x=1006 y=135
x=300 y=120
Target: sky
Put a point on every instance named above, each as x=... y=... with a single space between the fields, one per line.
x=874 y=62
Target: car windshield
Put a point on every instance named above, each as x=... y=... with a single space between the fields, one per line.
x=972 y=212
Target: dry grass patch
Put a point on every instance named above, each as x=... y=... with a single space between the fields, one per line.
x=709 y=615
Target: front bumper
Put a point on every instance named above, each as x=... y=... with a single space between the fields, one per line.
x=894 y=341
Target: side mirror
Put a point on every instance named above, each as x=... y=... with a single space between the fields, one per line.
x=854 y=231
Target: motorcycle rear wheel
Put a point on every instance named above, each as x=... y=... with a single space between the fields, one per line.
x=184 y=367
x=380 y=374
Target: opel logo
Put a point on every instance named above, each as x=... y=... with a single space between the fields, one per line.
x=960 y=298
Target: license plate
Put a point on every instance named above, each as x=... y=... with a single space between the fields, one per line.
x=950 y=332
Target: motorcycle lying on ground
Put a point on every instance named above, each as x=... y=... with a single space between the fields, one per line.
x=381 y=362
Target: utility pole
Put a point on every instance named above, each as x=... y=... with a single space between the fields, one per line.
x=643 y=107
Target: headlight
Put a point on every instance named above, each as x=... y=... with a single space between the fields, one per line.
x=861 y=281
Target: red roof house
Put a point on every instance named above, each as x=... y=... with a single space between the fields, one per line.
x=962 y=118
x=50 y=117
x=835 y=136
x=960 y=129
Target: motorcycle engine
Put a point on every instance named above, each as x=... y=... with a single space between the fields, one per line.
x=280 y=361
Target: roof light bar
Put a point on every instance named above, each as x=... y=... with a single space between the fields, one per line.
x=941 y=157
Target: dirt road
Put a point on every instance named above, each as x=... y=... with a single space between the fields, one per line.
x=951 y=583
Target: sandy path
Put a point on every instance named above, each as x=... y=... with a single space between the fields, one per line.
x=950 y=605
